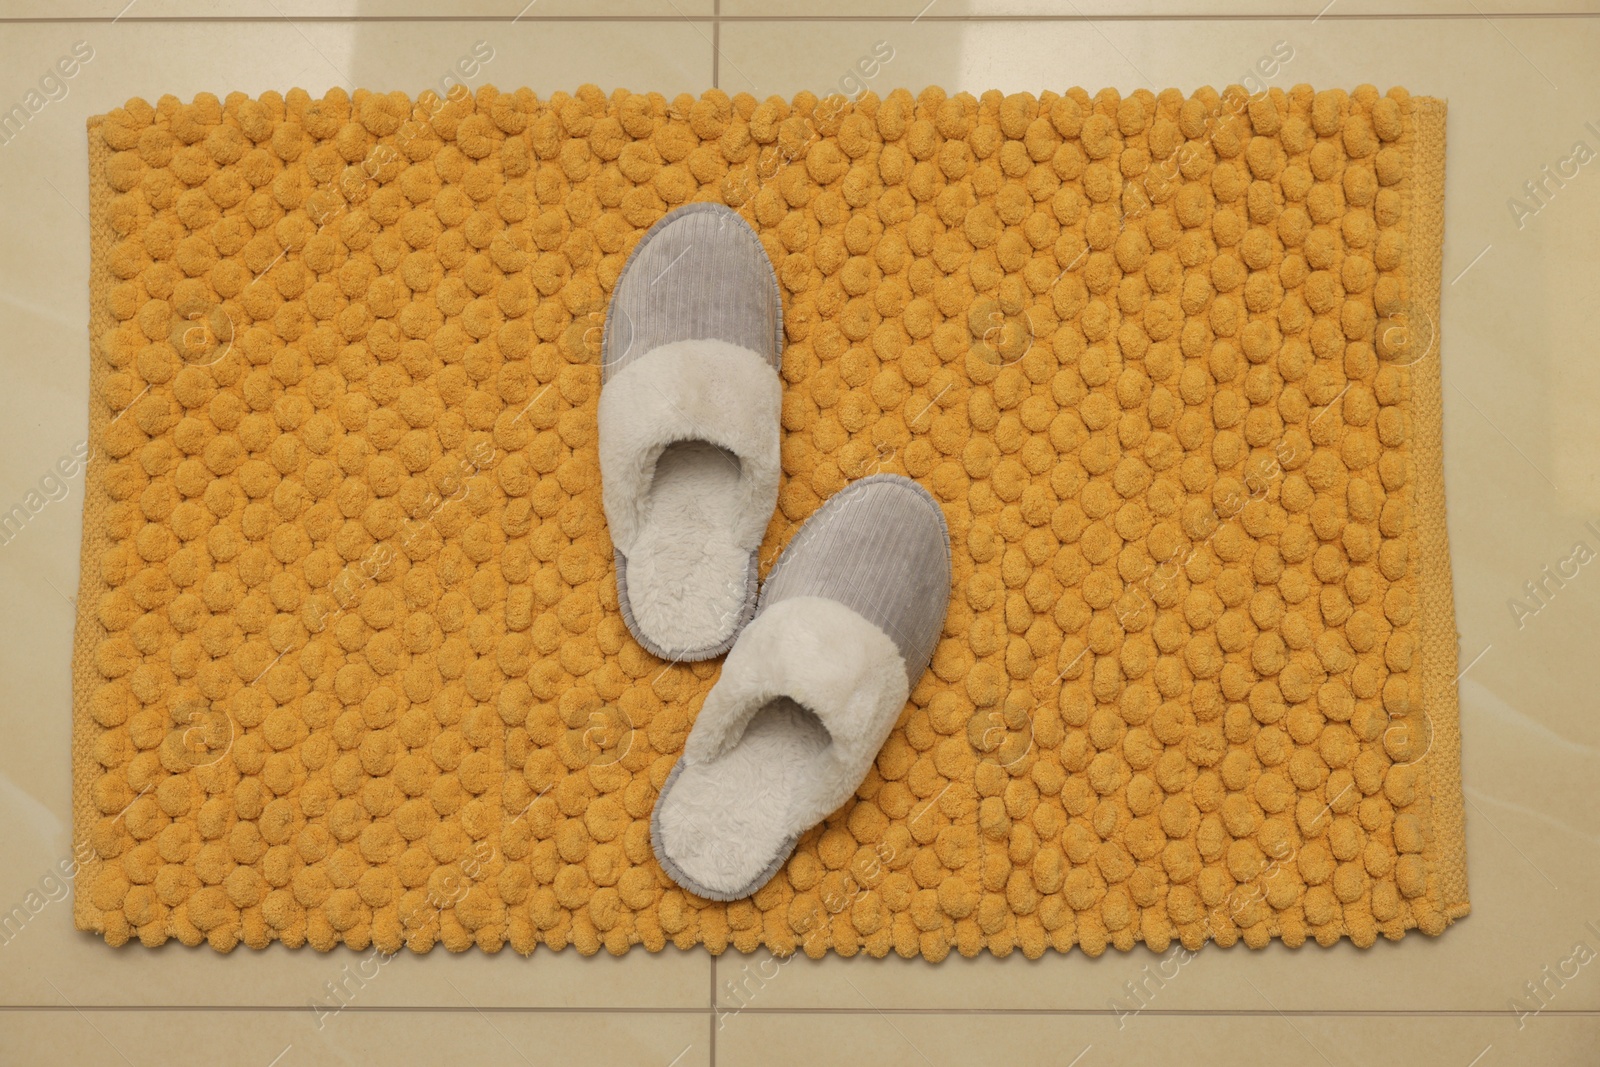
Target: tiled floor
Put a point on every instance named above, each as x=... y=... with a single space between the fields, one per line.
x=1522 y=465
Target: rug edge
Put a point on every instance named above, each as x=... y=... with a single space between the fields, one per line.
x=1440 y=654
x=91 y=580
x=1446 y=849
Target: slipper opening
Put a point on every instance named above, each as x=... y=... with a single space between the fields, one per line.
x=687 y=573
x=726 y=825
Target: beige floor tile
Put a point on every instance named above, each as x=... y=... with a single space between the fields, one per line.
x=299 y=1039
x=930 y=1040
x=43 y=291
x=523 y=11
x=1426 y=55
x=184 y=58
x=45 y=961
x=1521 y=471
x=1522 y=931
x=1126 y=9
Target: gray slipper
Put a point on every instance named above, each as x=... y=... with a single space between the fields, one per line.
x=689 y=410
x=847 y=623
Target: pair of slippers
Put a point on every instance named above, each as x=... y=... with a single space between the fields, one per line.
x=821 y=657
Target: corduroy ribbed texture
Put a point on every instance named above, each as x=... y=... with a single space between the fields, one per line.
x=666 y=292
x=880 y=548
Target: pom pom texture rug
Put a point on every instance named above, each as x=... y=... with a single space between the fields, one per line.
x=349 y=665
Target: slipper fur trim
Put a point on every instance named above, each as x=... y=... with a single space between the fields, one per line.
x=703 y=390
x=829 y=659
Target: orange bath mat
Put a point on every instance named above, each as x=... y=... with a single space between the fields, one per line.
x=349 y=664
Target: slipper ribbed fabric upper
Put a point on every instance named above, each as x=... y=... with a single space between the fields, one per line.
x=881 y=547
x=699 y=273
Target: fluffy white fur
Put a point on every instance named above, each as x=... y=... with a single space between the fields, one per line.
x=721 y=825
x=709 y=391
x=688 y=581
x=805 y=701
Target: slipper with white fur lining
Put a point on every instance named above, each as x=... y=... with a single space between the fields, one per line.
x=847 y=622
x=689 y=410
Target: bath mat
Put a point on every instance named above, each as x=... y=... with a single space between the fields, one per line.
x=349 y=664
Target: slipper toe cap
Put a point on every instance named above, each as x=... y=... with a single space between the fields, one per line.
x=699 y=273
x=881 y=547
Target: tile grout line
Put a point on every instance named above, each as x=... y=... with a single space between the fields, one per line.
x=714 y=18
x=443 y=1009
x=436 y=1009
x=716 y=83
